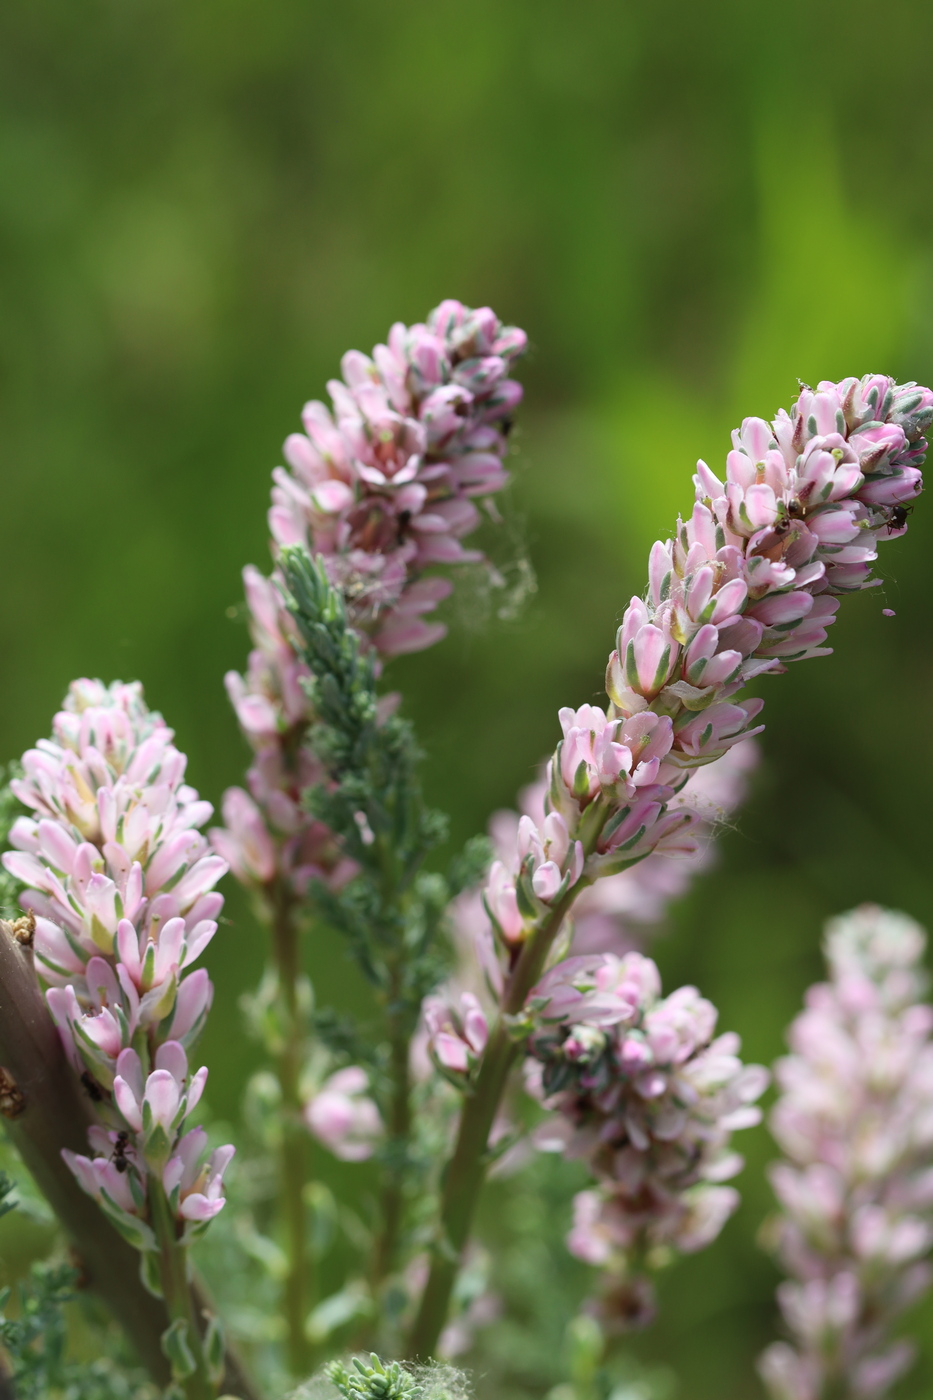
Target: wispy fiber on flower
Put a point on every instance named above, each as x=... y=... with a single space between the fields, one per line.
x=855 y=1124
x=121 y=881
x=382 y=483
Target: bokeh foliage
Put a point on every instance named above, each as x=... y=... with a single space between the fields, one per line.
x=204 y=202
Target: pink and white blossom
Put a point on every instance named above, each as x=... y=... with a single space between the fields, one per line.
x=749 y=582
x=751 y=579
x=457 y=1033
x=614 y=914
x=343 y=1117
x=193 y=1181
x=117 y=872
x=641 y=1088
x=121 y=881
x=382 y=485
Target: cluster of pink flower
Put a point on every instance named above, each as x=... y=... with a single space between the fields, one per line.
x=456 y=1030
x=643 y=1091
x=747 y=585
x=855 y=1121
x=382 y=486
x=121 y=882
x=615 y=914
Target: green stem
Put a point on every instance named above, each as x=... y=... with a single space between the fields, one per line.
x=466 y=1169
x=393 y=1195
x=176 y=1289
x=294 y=1153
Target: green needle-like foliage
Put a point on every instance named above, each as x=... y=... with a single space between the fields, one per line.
x=393 y=912
x=380 y=1380
x=374 y=1381
x=35 y=1343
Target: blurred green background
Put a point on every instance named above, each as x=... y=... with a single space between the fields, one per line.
x=203 y=204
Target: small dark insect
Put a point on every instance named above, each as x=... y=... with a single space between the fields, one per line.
x=898 y=517
x=91 y=1089
x=118 y=1156
x=506 y=426
x=77 y=1263
x=793 y=510
x=12 y=1099
x=404 y=518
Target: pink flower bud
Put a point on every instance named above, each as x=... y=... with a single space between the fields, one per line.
x=244 y=842
x=502 y=903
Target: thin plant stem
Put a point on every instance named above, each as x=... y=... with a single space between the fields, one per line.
x=466 y=1170
x=399 y=1125
x=294 y=1161
x=176 y=1289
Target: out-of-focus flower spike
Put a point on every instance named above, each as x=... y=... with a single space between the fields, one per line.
x=855 y=1123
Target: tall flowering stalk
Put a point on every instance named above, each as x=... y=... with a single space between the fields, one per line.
x=855 y=1123
x=120 y=881
x=382 y=486
x=613 y=917
x=749 y=582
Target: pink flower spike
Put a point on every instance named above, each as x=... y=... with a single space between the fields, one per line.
x=109 y=795
x=642 y=1093
x=853 y=1190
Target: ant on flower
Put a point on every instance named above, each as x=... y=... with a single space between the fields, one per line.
x=897 y=517
x=118 y=1156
